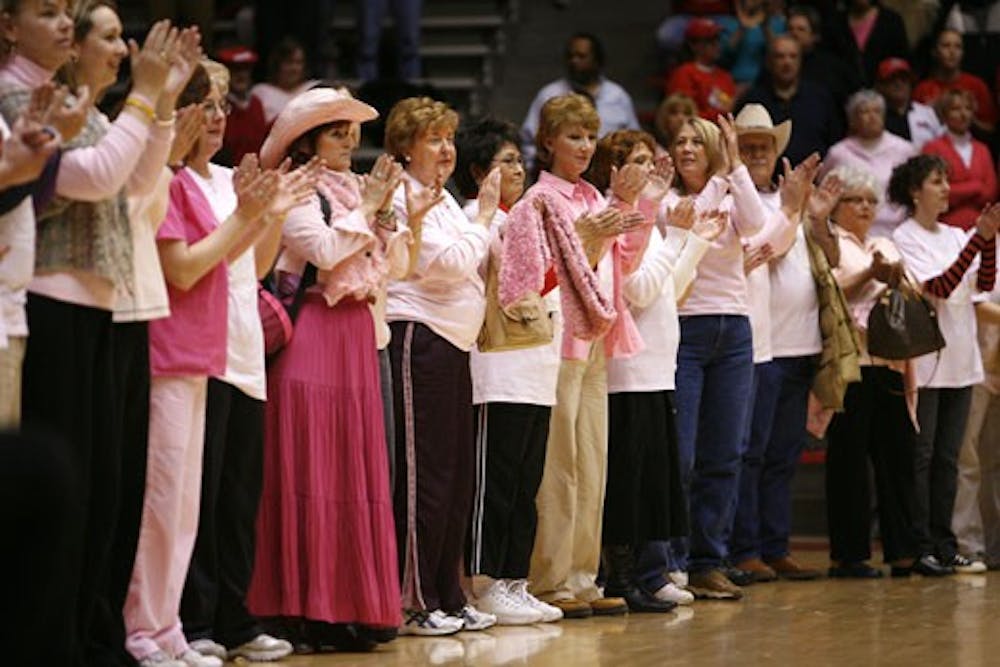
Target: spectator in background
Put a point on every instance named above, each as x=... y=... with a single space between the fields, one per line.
x=286 y=78
x=584 y=64
x=866 y=34
x=913 y=121
x=406 y=13
x=946 y=73
x=670 y=117
x=745 y=36
x=712 y=88
x=819 y=63
x=971 y=172
x=787 y=96
x=245 y=125
x=670 y=33
x=869 y=148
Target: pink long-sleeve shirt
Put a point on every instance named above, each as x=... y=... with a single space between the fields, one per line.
x=130 y=156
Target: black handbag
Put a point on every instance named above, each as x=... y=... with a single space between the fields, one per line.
x=903 y=324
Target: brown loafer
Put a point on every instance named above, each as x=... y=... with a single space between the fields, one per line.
x=573 y=608
x=760 y=570
x=609 y=606
x=787 y=568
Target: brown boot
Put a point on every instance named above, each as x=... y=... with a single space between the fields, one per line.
x=758 y=568
x=609 y=606
x=787 y=568
x=573 y=608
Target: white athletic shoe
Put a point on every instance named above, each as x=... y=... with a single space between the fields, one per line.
x=679 y=577
x=209 y=647
x=671 y=592
x=508 y=609
x=160 y=659
x=192 y=658
x=429 y=623
x=964 y=565
x=518 y=589
x=262 y=648
x=473 y=619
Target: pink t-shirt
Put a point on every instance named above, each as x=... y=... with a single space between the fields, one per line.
x=192 y=341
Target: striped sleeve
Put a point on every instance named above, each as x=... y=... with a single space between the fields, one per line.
x=943 y=285
x=987 y=267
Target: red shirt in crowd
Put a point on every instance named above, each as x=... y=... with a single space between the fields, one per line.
x=712 y=89
x=928 y=90
x=246 y=128
x=972 y=187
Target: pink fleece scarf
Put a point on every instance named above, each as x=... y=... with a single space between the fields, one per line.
x=531 y=245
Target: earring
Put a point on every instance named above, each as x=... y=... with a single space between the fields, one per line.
x=406 y=158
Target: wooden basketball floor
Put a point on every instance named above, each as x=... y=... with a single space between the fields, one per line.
x=909 y=623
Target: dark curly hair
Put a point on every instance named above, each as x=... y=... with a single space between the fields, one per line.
x=910 y=175
x=612 y=151
x=476 y=144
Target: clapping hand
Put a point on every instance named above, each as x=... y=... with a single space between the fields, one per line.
x=187 y=130
x=884 y=271
x=822 y=200
x=757 y=257
x=628 y=182
x=659 y=180
x=682 y=215
x=708 y=225
x=730 y=142
x=151 y=64
x=294 y=188
x=184 y=55
x=794 y=185
x=419 y=202
x=489 y=197
x=255 y=189
x=379 y=185
x=988 y=221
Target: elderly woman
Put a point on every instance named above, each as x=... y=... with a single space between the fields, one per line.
x=645 y=500
x=326 y=548
x=513 y=393
x=943 y=260
x=870 y=148
x=875 y=423
x=564 y=232
x=435 y=316
x=972 y=176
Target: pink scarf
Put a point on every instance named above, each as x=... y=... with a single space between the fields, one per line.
x=531 y=245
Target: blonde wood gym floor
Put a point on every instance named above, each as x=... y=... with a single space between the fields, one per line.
x=892 y=622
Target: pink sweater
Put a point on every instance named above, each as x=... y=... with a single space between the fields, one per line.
x=130 y=155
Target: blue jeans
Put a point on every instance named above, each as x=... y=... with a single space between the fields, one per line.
x=714 y=377
x=776 y=437
x=407 y=19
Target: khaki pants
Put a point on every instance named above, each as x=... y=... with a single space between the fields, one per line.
x=570 y=500
x=976 y=519
x=11 y=360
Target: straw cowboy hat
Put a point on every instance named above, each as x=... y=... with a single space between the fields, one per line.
x=312 y=108
x=754 y=119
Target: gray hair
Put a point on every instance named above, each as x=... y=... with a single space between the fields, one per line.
x=864 y=96
x=854 y=179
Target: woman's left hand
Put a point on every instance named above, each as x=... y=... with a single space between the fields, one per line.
x=660 y=180
x=628 y=182
x=489 y=197
x=184 y=55
x=730 y=142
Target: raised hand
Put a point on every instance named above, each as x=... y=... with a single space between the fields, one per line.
x=752 y=259
x=749 y=19
x=151 y=64
x=183 y=57
x=377 y=188
x=489 y=197
x=708 y=225
x=419 y=202
x=822 y=200
x=660 y=179
x=628 y=182
x=794 y=185
x=988 y=221
x=187 y=130
x=294 y=188
x=730 y=142
x=254 y=189
x=682 y=215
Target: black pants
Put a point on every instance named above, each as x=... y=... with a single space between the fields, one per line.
x=131 y=374
x=510 y=459
x=40 y=515
x=874 y=425
x=644 y=499
x=69 y=394
x=213 y=605
x=388 y=416
x=433 y=495
x=942 y=414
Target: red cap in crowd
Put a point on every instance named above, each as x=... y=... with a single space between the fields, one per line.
x=890 y=67
x=700 y=28
x=237 y=55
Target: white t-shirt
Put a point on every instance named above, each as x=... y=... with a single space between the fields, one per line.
x=927 y=253
x=794 y=306
x=17 y=230
x=519 y=376
x=244 y=335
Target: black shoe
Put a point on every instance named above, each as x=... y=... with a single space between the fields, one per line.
x=927 y=565
x=343 y=637
x=741 y=578
x=860 y=570
x=378 y=635
x=639 y=601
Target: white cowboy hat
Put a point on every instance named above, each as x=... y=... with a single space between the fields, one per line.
x=754 y=119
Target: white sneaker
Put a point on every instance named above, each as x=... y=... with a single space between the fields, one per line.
x=508 y=609
x=518 y=589
x=191 y=658
x=670 y=592
x=262 y=648
x=208 y=647
x=679 y=577
x=160 y=659
x=473 y=619
x=965 y=565
x=429 y=623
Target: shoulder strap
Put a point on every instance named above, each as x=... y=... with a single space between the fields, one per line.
x=309 y=273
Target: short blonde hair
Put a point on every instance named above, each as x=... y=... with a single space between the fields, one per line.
x=410 y=118
x=218 y=74
x=558 y=112
x=711 y=137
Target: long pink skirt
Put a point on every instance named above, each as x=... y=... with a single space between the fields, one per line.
x=326 y=546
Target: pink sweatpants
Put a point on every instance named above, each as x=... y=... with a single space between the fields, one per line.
x=169 y=516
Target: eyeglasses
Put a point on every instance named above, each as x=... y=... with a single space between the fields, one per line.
x=208 y=107
x=856 y=201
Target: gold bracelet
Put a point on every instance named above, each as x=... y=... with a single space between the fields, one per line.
x=139 y=104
